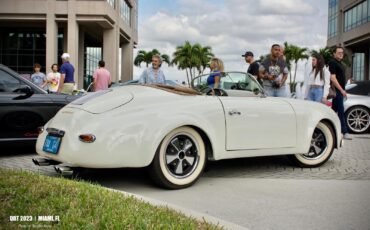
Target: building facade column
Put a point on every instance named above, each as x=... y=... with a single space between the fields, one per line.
x=81 y=56
x=72 y=39
x=51 y=36
x=110 y=51
x=127 y=68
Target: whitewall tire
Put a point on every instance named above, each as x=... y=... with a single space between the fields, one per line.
x=179 y=160
x=321 y=148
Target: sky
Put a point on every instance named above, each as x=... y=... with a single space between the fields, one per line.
x=230 y=27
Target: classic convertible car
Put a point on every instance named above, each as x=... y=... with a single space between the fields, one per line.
x=174 y=130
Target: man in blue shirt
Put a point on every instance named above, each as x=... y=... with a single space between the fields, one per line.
x=66 y=84
x=153 y=75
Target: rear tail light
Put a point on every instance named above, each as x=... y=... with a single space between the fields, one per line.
x=87 y=138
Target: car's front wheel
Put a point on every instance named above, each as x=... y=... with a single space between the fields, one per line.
x=321 y=148
x=179 y=160
x=358 y=119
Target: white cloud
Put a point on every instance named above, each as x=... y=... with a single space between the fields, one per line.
x=291 y=7
x=231 y=27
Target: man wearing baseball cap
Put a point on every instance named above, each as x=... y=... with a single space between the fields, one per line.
x=66 y=83
x=253 y=68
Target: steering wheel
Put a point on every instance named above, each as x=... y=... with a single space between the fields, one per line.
x=212 y=91
x=242 y=85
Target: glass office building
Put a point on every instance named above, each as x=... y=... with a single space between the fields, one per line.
x=349 y=26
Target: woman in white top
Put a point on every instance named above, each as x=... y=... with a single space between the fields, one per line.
x=53 y=79
x=317 y=82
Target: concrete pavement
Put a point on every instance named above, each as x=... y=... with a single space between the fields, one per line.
x=270 y=203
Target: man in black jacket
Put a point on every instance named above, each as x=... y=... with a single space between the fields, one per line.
x=338 y=79
x=253 y=68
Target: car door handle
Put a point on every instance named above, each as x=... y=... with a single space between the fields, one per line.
x=234 y=112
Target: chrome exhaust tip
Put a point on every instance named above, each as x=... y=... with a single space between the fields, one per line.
x=44 y=162
x=63 y=170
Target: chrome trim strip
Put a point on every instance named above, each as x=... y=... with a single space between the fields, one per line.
x=18 y=139
x=55 y=131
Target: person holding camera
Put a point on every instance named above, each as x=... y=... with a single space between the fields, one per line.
x=154 y=74
x=274 y=73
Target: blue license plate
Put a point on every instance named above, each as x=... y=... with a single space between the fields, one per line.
x=52 y=144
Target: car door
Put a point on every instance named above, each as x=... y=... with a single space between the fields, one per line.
x=254 y=121
x=21 y=113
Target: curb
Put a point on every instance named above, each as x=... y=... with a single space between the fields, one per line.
x=188 y=212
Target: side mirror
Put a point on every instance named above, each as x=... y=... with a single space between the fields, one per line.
x=26 y=90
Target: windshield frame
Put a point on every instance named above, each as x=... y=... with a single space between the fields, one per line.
x=227 y=73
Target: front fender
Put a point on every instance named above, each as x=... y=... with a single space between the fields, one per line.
x=309 y=114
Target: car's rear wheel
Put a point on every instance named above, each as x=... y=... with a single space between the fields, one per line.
x=358 y=119
x=321 y=148
x=179 y=160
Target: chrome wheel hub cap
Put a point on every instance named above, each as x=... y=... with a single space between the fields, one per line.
x=358 y=120
x=318 y=145
x=181 y=157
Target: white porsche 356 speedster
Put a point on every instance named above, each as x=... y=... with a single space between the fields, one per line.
x=174 y=130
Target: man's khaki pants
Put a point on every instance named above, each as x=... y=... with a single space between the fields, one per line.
x=68 y=88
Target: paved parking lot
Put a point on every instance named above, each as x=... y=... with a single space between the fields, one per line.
x=352 y=162
x=256 y=193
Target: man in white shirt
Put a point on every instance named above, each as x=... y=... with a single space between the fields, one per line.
x=153 y=75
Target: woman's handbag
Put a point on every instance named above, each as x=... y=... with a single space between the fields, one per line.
x=332 y=92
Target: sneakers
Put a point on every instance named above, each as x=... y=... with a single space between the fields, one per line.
x=346 y=137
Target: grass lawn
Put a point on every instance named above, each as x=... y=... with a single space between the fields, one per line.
x=79 y=205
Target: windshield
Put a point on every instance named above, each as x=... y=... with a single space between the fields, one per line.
x=234 y=83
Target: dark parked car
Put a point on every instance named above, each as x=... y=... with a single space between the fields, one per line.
x=357 y=107
x=24 y=107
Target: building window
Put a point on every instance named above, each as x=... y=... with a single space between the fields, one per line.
x=135 y=19
x=333 y=18
x=21 y=48
x=92 y=57
x=112 y=3
x=357 y=15
x=358 y=66
x=125 y=12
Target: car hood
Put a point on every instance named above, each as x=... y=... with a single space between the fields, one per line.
x=353 y=100
x=102 y=101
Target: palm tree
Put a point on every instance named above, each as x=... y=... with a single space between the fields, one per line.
x=263 y=57
x=288 y=57
x=182 y=58
x=166 y=58
x=143 y=56
x=326 y=53
x=293 y=54
x=205 y=55
x=190 y=58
